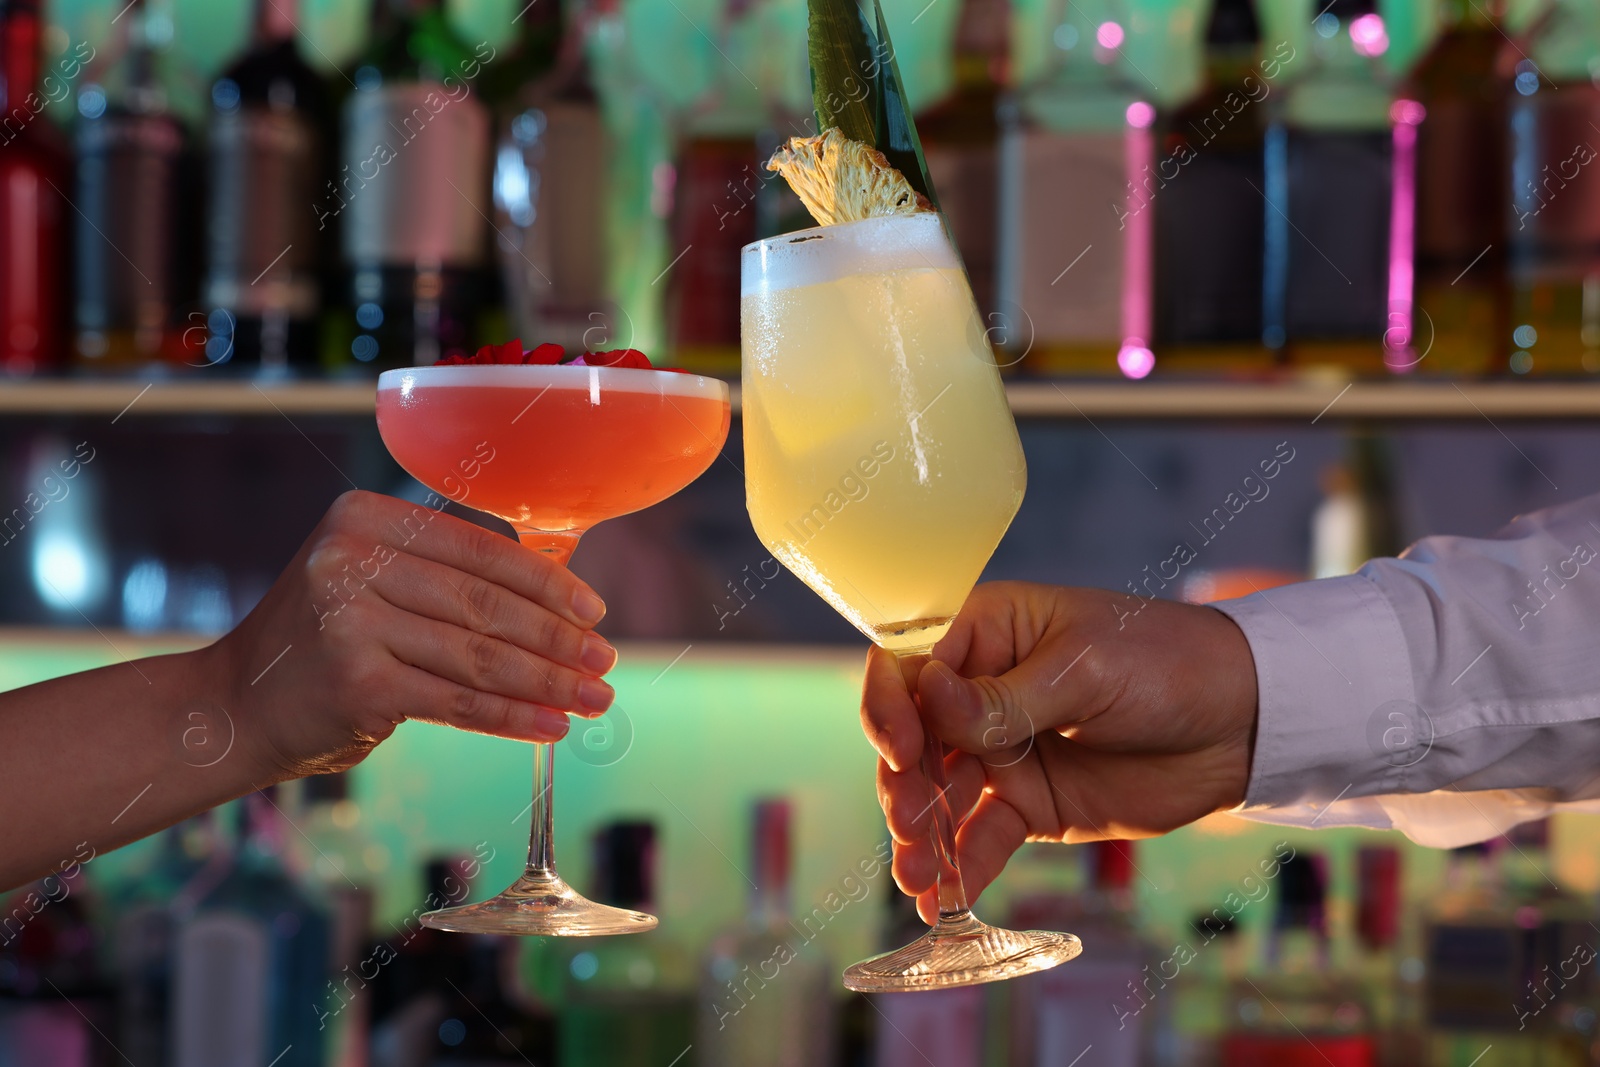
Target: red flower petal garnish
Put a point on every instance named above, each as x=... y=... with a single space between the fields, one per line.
x=508 y=353
x=628 y=358
x=455 y=359
x=545 y=355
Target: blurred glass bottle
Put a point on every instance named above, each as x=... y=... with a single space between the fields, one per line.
x=942 y=1027
x=960 y=137
x=1475 y=963
x=1298 y=1009
x=1330 y=196
x=133 y=254
x=621 y=1000
x=765 y=1001
x=717 y=203
x=35 y=165
x=53 y=994
x=1078 y=175
x=1390 y=966
x=1554 y=228
x=1191 y=1034
x=1356 y=519
x=1110 y=996
x=412 y=193
x=269 y=140
x=250 y=964
x=186 y=863
x=343 y=865
x=550 y=190
x=1210 y=216
x=1459 y=322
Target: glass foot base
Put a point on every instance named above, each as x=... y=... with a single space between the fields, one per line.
x=539 y=905
x=961 y=951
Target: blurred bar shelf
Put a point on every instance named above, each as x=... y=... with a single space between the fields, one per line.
x=1063 y=399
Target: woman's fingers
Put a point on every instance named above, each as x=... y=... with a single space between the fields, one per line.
x=426 y=697
x=396 y=527
x=489 y=665
x=466 y=601
x=888 y=715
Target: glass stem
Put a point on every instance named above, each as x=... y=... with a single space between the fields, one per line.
x=558 y=545
x=952 y=894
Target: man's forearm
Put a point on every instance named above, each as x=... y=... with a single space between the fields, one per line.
x=95 y=760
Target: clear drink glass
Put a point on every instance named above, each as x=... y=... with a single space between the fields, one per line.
x=882 y=467
x=552 y=450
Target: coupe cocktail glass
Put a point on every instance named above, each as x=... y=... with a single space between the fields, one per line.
x=882 y=467
x=569 y=446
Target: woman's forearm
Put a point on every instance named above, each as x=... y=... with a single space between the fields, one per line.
x=95 y=760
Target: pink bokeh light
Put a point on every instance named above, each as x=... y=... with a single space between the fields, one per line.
x=1134 y=360
x=1368 y=36
x=1140 y=115
x=1109 y=35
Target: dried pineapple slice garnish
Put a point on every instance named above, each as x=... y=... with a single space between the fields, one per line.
x=840 y=180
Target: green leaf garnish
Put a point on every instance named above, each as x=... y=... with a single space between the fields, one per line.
x=856 y=86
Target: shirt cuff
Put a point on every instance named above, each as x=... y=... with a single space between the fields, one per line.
x=1336 y=703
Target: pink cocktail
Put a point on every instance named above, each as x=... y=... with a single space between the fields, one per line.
x=552 y=450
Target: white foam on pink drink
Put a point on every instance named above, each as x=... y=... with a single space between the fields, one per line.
x=514 y=376
x=827 y=253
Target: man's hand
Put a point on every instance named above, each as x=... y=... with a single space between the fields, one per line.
x=391 y=611
x=1064 y=727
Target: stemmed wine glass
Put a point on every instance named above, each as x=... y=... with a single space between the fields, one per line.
x=552 y=450
x=882 y=467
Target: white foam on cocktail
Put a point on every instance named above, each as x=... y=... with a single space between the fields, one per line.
x=824 y=254
x=588 y=379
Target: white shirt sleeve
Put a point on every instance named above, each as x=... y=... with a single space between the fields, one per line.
x=1449 y=694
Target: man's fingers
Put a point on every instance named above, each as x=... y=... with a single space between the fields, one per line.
x=988 y=716
x=436 y=591
x=907 y=797
x=986 y=842
x=393 y=526
x=888 y=715
x=426 y=697
x=489 y=665
x=915 y=867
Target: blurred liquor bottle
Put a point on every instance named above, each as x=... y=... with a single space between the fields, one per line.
x=1330 y=195
x=342 y=865
x=1191 y=1034
x=1078 y=177
x=134 y=261
x=1297 y=1009
x=1558 y=994
x=765 y=990
x=1109 y=997
x=1476 y=959
x=1389 y=963
x=53 y=994
x=35 y=164
x=1356 y=519
x=620 y=1000
x=270 y=138
x=412 y=193
x=1210 y=215
x=1459 y=321
x=551 y=189
x=451 y=999
x=717 y=202
x=185 y=863
x=942 y=1027
x=961 y=141
x=1554 y=226
x=250 y=963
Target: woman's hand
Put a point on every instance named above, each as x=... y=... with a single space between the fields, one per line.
x=392 y=611
x=1066 y=726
